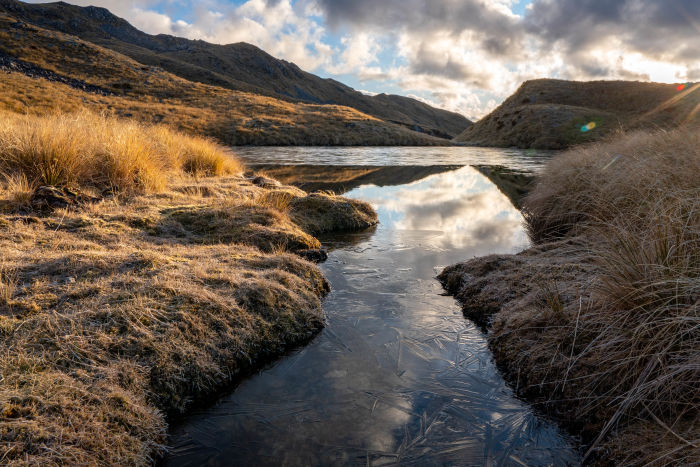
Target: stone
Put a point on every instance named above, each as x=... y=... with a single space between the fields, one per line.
x=313 y=255
x=48 y=198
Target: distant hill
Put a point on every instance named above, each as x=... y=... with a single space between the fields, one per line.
x=241 y=67
x=551 y=114
x=44 y=70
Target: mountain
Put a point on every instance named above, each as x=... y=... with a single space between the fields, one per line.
x=551 y=114
x=44 y=70
x=241 y=66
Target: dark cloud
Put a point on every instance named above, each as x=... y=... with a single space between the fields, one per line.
x=666 y=29
x=500 y=32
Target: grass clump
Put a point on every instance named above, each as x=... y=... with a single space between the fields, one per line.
x=249 y=223
x=325 y=212
x=116 y=314
x=93 y=151
x=615 y=350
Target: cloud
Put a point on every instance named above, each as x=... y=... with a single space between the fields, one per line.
x=662 y=32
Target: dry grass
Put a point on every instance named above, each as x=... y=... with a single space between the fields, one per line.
x=627 y=178
x=600 y=321
x=115 y=314
x=88 y=150
x=637 y=203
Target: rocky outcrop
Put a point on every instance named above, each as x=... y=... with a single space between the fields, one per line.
x=12 y=64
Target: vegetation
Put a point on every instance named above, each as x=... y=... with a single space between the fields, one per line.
x=119 y=309
x=600 y=319
x=556 y=114
x=89 y=150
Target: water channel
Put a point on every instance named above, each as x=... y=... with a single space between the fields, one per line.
x=398 y=375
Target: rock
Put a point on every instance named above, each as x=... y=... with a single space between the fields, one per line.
x=265 y=182
x=313 y=255
x=48 y=198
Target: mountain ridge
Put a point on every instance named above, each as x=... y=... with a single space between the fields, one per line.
x=239 y=66
x=47 y=71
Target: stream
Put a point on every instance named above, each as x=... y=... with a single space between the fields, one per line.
x=398 y=375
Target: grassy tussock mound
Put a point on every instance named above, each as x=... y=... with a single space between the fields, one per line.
x=89 y=150
x=601 y=319
x=119 y=311
x=324 y=212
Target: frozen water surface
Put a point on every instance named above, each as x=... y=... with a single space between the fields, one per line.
x=398 y=376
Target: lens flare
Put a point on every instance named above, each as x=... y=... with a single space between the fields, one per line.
x=588 y=127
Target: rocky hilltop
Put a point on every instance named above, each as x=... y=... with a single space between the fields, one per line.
x=554 y=114
x=240 y=67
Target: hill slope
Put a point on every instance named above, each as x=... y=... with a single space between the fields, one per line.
x=241 y=66
x=44 y=70
x=550 y=114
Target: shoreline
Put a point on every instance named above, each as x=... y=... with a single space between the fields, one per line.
x=121 y=305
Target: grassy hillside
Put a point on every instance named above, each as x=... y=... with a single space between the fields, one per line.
x=133 y=282
x=44 y=70
x=241 y=67
x=551 y=114
x=598 y=322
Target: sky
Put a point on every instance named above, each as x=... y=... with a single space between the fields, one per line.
x=461 y=55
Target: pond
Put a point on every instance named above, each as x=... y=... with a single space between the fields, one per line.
x=398 y=375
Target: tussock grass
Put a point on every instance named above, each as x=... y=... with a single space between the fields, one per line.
x=90 y=150
x=635 y=203
x=626 y=178
x=116 y=314
x=323 y=212
x=8 y=284
x=599 y=322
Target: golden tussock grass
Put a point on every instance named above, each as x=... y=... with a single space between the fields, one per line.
x=636 y=202
x=117 y=313
x=600 y=320
x=89 y=150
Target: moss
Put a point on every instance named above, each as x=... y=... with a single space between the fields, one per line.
x=321 y=213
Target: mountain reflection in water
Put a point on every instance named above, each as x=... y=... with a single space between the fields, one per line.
x=398 y=375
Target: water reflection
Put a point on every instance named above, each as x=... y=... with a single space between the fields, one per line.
x=343 y=178
x=398 y=375
x=461 y=207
